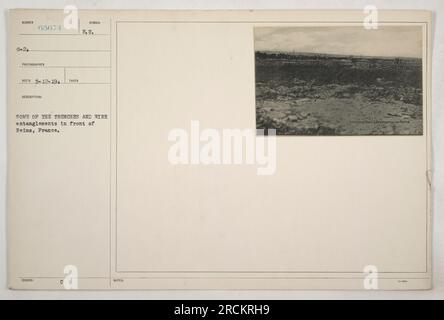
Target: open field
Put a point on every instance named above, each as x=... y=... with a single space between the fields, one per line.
x=320 y=94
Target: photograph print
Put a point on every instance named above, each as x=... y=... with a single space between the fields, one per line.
x=344 y=80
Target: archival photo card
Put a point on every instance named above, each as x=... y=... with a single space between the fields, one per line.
x=134 y=162
x=344 y=80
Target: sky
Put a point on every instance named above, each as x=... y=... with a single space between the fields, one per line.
x=392 y=41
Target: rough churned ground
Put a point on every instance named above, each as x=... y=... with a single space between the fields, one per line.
x=332 y=96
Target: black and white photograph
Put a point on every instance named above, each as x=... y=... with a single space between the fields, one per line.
x=339 y=80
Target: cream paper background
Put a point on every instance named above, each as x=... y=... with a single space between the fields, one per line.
x=393 y=166
x=334 y=203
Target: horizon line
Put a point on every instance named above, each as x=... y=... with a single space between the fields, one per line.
x=337 y=54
